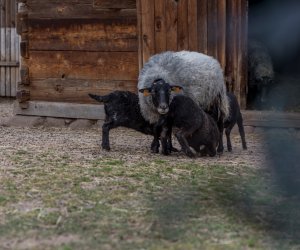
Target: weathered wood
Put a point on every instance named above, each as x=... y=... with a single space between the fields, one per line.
x=65 y=110
x=23 y=95
x=139 y=32
x=84 y=35
x=202 y=26
x=193 y=25
x=9 y=64
x=115 y=4
x=221 y=34
x=76 y=91
x=24 y=75
x=148 y=39
x=83 y=65
x=24 y=48
x=212 y=28
x=182 y=25
x=171 y=24
x=8 y=46
x=160 y=26
x=75 y=9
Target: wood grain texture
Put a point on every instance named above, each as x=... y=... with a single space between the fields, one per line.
x=83 y=65
x=193 y=25
x=114 y=4
x=83 y=35
x=171 y=25
x=182 y=25
x=74 y=90
x=160 y=26
x=202 y=26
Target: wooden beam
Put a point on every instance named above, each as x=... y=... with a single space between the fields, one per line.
x=59 y=109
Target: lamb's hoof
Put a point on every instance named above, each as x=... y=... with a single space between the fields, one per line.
x=229 y=149
x=245 y=147
x=190 y=154
x=107 y=148
x=154 y=150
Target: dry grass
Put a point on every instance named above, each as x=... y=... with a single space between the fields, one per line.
x=59 y=190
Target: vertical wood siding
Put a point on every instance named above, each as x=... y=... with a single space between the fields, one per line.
x=9 y=49
x=214 y=27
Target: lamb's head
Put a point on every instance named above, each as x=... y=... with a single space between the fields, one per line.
x=160 y=92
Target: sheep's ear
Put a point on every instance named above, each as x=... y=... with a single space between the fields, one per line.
x=176 y=89
x=146 y=92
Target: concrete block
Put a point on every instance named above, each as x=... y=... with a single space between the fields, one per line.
x=55 y=122
x=25 y=121
x=82 y=124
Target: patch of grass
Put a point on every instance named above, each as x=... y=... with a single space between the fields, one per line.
x=158 y=204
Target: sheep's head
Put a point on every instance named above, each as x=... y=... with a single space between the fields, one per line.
x=160 y=91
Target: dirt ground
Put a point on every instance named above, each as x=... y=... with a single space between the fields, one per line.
x=125 y=143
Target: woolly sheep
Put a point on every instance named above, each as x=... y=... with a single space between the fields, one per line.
x=122 y=109
x=260 y=73
x=194 y=127
x=200 y=76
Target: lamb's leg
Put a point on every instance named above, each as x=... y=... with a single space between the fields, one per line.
x=227 y=132
x=221 y=129
x=164 y=137
x=241 y=130
x=211 y=150
x=105 y=134
x=155 y=143
x=181 y=137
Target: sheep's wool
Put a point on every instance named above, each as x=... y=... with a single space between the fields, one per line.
x=201 y=77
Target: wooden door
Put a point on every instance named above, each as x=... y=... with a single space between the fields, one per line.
x=9 y=49
x=214 y=27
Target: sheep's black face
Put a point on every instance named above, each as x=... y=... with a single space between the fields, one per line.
x=160 y=92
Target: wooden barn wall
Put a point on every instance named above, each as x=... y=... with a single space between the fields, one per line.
x=214 y=27
x=73 y=47
x=9 y=49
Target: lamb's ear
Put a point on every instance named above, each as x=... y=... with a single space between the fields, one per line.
x=146 y=92
x=176 y=89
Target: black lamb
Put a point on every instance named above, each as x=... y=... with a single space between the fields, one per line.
x=121 y=109
x=194 y=127
x=234 y=117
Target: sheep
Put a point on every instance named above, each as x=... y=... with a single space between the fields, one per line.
x=234 y=117
x=260 y=73
x=122 y=109
x=194 y=126
x=199 y=75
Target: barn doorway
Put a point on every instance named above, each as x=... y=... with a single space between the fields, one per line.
x=275 y=24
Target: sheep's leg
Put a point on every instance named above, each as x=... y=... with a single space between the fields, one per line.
x=105 y=134
x=165 y=147
x=241 y=130
x=181 y=137
x=155 y=143
x=221 y=129
x=211 y=150
x=227 y=132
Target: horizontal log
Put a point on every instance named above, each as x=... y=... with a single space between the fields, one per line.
x=23 y=95
x=82 y=9
x=65 y=110
x=115 y=4
x=76 y=91
x=9 y=64
x=83 y=65
x=85 y=35
x=271 y=119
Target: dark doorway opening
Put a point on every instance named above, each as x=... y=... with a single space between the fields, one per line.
x=276 y=25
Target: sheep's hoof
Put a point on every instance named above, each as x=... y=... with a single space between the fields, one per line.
x=154 y=150
x=245 y=147
x=174 y=149
x=105 y=147
x=190 y=154
x=229 y=149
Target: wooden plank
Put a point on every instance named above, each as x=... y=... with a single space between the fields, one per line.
x=244 y=52
x=202 y=26
x=3 y=50
x=182 y=25
x=8 y=47
x=76 y=9
x=139 y=32
x=9 y=64
x=171 y=24
x=83 y=65
x=115 y=4
x=13 y=37
x=212 y=28
x=160 y=26
x=221 y=35
x=148 y=39
x=84 y=35
x=64 y=110
x=76 y=91
x=192 y=25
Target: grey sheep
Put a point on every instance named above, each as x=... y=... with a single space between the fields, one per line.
x=200 y=76
x=260 y=73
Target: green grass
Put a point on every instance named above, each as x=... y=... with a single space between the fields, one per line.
x=158 y=204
